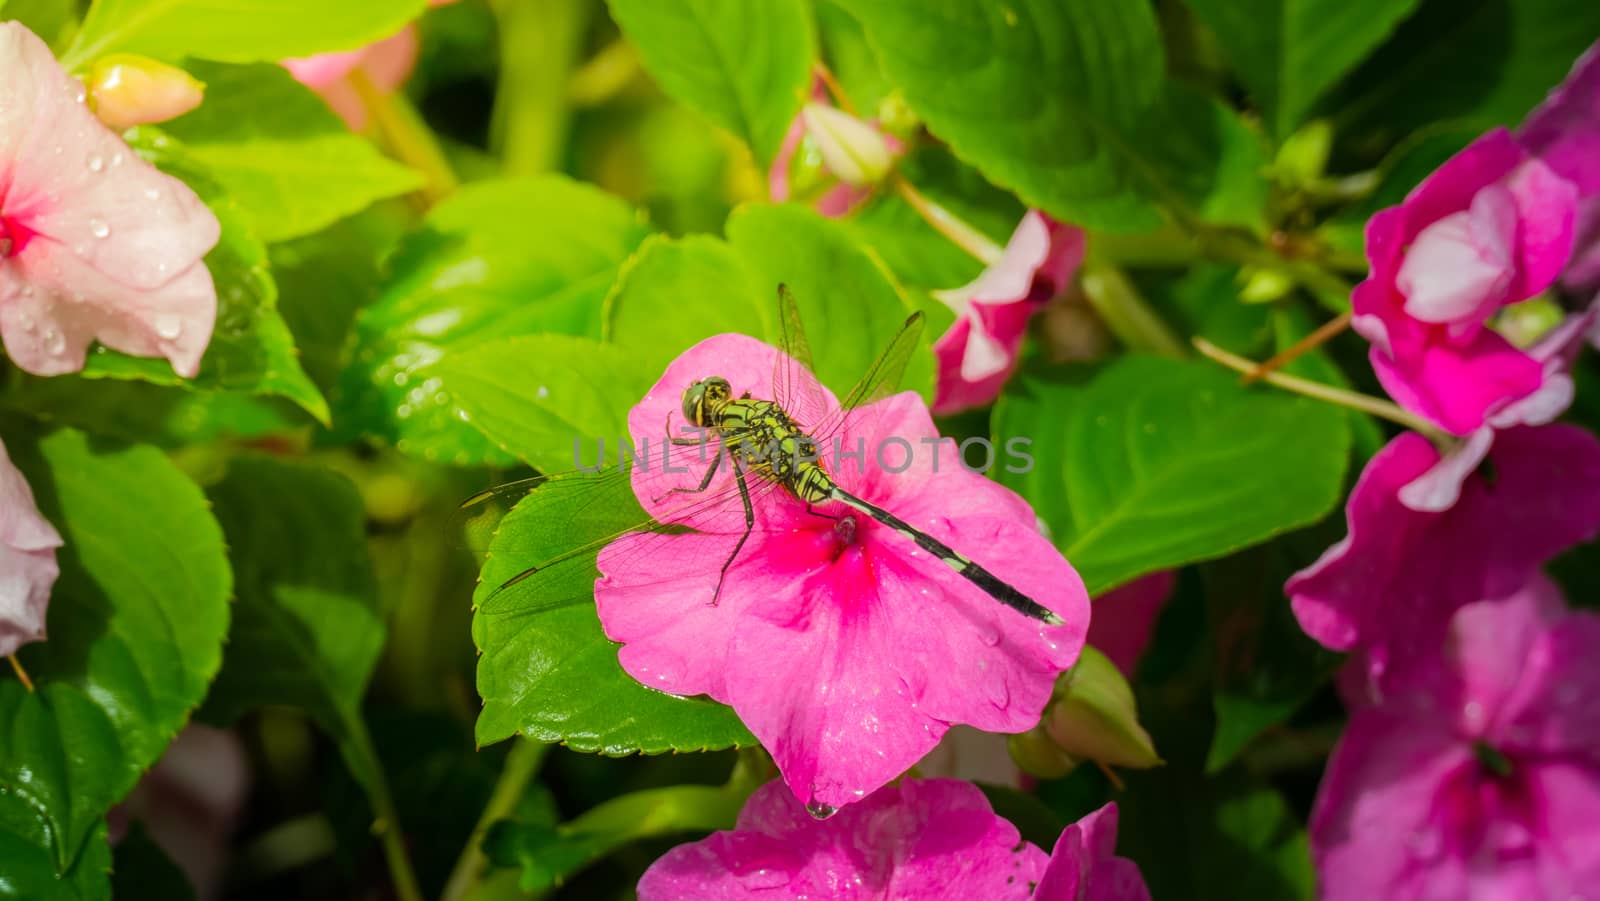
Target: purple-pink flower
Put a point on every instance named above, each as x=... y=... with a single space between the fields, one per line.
x=916 y=841
x=847 y=651
x=1564 y=133
x=1389 y=588
x=979 y=351
x=1478 y=776
x=95 y=243
x=1084 y=865
x=1492 y=226
x=27 y=560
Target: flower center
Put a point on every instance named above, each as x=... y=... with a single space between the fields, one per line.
x=13 y=236
x=844 y=535
x=1484 y=807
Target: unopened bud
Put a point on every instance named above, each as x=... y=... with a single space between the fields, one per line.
x=126 y=90
x=1093 y=716
x=854 y=151
x=1036 y=754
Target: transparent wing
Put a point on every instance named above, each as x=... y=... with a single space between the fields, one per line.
x=880 y=380
x=794 y=383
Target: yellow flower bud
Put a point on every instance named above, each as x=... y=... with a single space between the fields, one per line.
x=126 y=90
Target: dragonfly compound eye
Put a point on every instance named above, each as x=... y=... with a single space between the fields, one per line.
x=693 y=399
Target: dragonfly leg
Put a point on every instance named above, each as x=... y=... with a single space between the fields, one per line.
x=815 y=512
x=749 y=526
x=711 y=473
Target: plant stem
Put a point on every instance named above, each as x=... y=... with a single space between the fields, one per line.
x=520 y=766
x=368 y=770
x=402 y=130
x=1321 y=335
x=1124 y=311
x=1351 y=399
x=22 y=674
x=539 y=45
x=949 y=224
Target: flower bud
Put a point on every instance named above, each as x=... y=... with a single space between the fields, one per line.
x=126 y=90
x=854 y=151
x=1036 y=754
x=1093 y=716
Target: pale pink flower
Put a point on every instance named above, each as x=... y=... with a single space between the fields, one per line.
x=1478 y=776
x=386 y=64
x=1389 y=588
x=847 y=651
x=979 y=351
x=95 y=243
x=1564 y=133
x=1124 y=617
x=1084 y=865
x=1492 y=226
x=27 y=560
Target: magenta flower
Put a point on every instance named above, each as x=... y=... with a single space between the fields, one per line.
x=1490 y=227
x=1564 y=133
x=848 y=652
x=978 y=352
x=1084 y=867
x=917 y=841
x=1479 y=776
x=1389 y=588
x=95 y=243
x=27 y=560
x=1125 y=616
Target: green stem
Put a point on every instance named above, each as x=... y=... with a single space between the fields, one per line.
x=1126 y=313
x=368 y=770
x=949 y=224
x=1351 y=399
x=539 y=45
x=403 y=131
x=520 y=767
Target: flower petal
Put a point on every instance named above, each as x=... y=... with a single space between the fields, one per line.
x=28 y=567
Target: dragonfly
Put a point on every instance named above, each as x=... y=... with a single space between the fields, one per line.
x=771 y=447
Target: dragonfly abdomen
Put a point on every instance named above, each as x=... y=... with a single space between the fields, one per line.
x=991 y=584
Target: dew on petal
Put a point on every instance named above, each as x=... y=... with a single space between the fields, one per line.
x=820 y=810
x=169 y=326
x=99 y=228
x=96 y=163
x=54 y=341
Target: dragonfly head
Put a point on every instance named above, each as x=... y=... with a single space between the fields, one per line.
x=704 y=400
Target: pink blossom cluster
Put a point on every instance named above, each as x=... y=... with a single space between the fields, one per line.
x=1471 y=766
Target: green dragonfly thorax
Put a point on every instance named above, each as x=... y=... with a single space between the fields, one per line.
x=763 y=435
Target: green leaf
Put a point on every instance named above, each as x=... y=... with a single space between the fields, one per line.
x=1484 y=62
x=292 y=165
x=499 y=259
x=849 y=302
x=144 y=871
x=548 y=672
x=1288 y=52
x=744 y=66
x=51 y=20
x=164 y=415
x=1153 y=463
x=251 y=348
x=136 y=624
x=1046 y=97
x=238 y=31
x=546 y=398
x=306 y=630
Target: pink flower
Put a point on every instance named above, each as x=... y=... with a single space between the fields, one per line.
x=977 y=354
x=848 y=651
x=1124 y=617
x=1479 y=776
x=95 y=243
x=916 y=841
x=190 y=802
x=27 y=560
x=386 y=64
x=1390 y=587
x=1490 y=227
x=1564 y=133
x=1084 y=867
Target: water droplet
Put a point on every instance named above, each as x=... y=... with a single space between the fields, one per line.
x=820 y=810
x=542 y=393
x=1473 y=717
x=152 y=193
x=116 y=158
x=99 y=228
x=998 y=693
x=403 y=411
x=96 y=162
x=58 y=149
x=169 y=326
x=80 y=95
x=27 y=323
x=401 y=378
x=989 y=634
x=54 y=341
